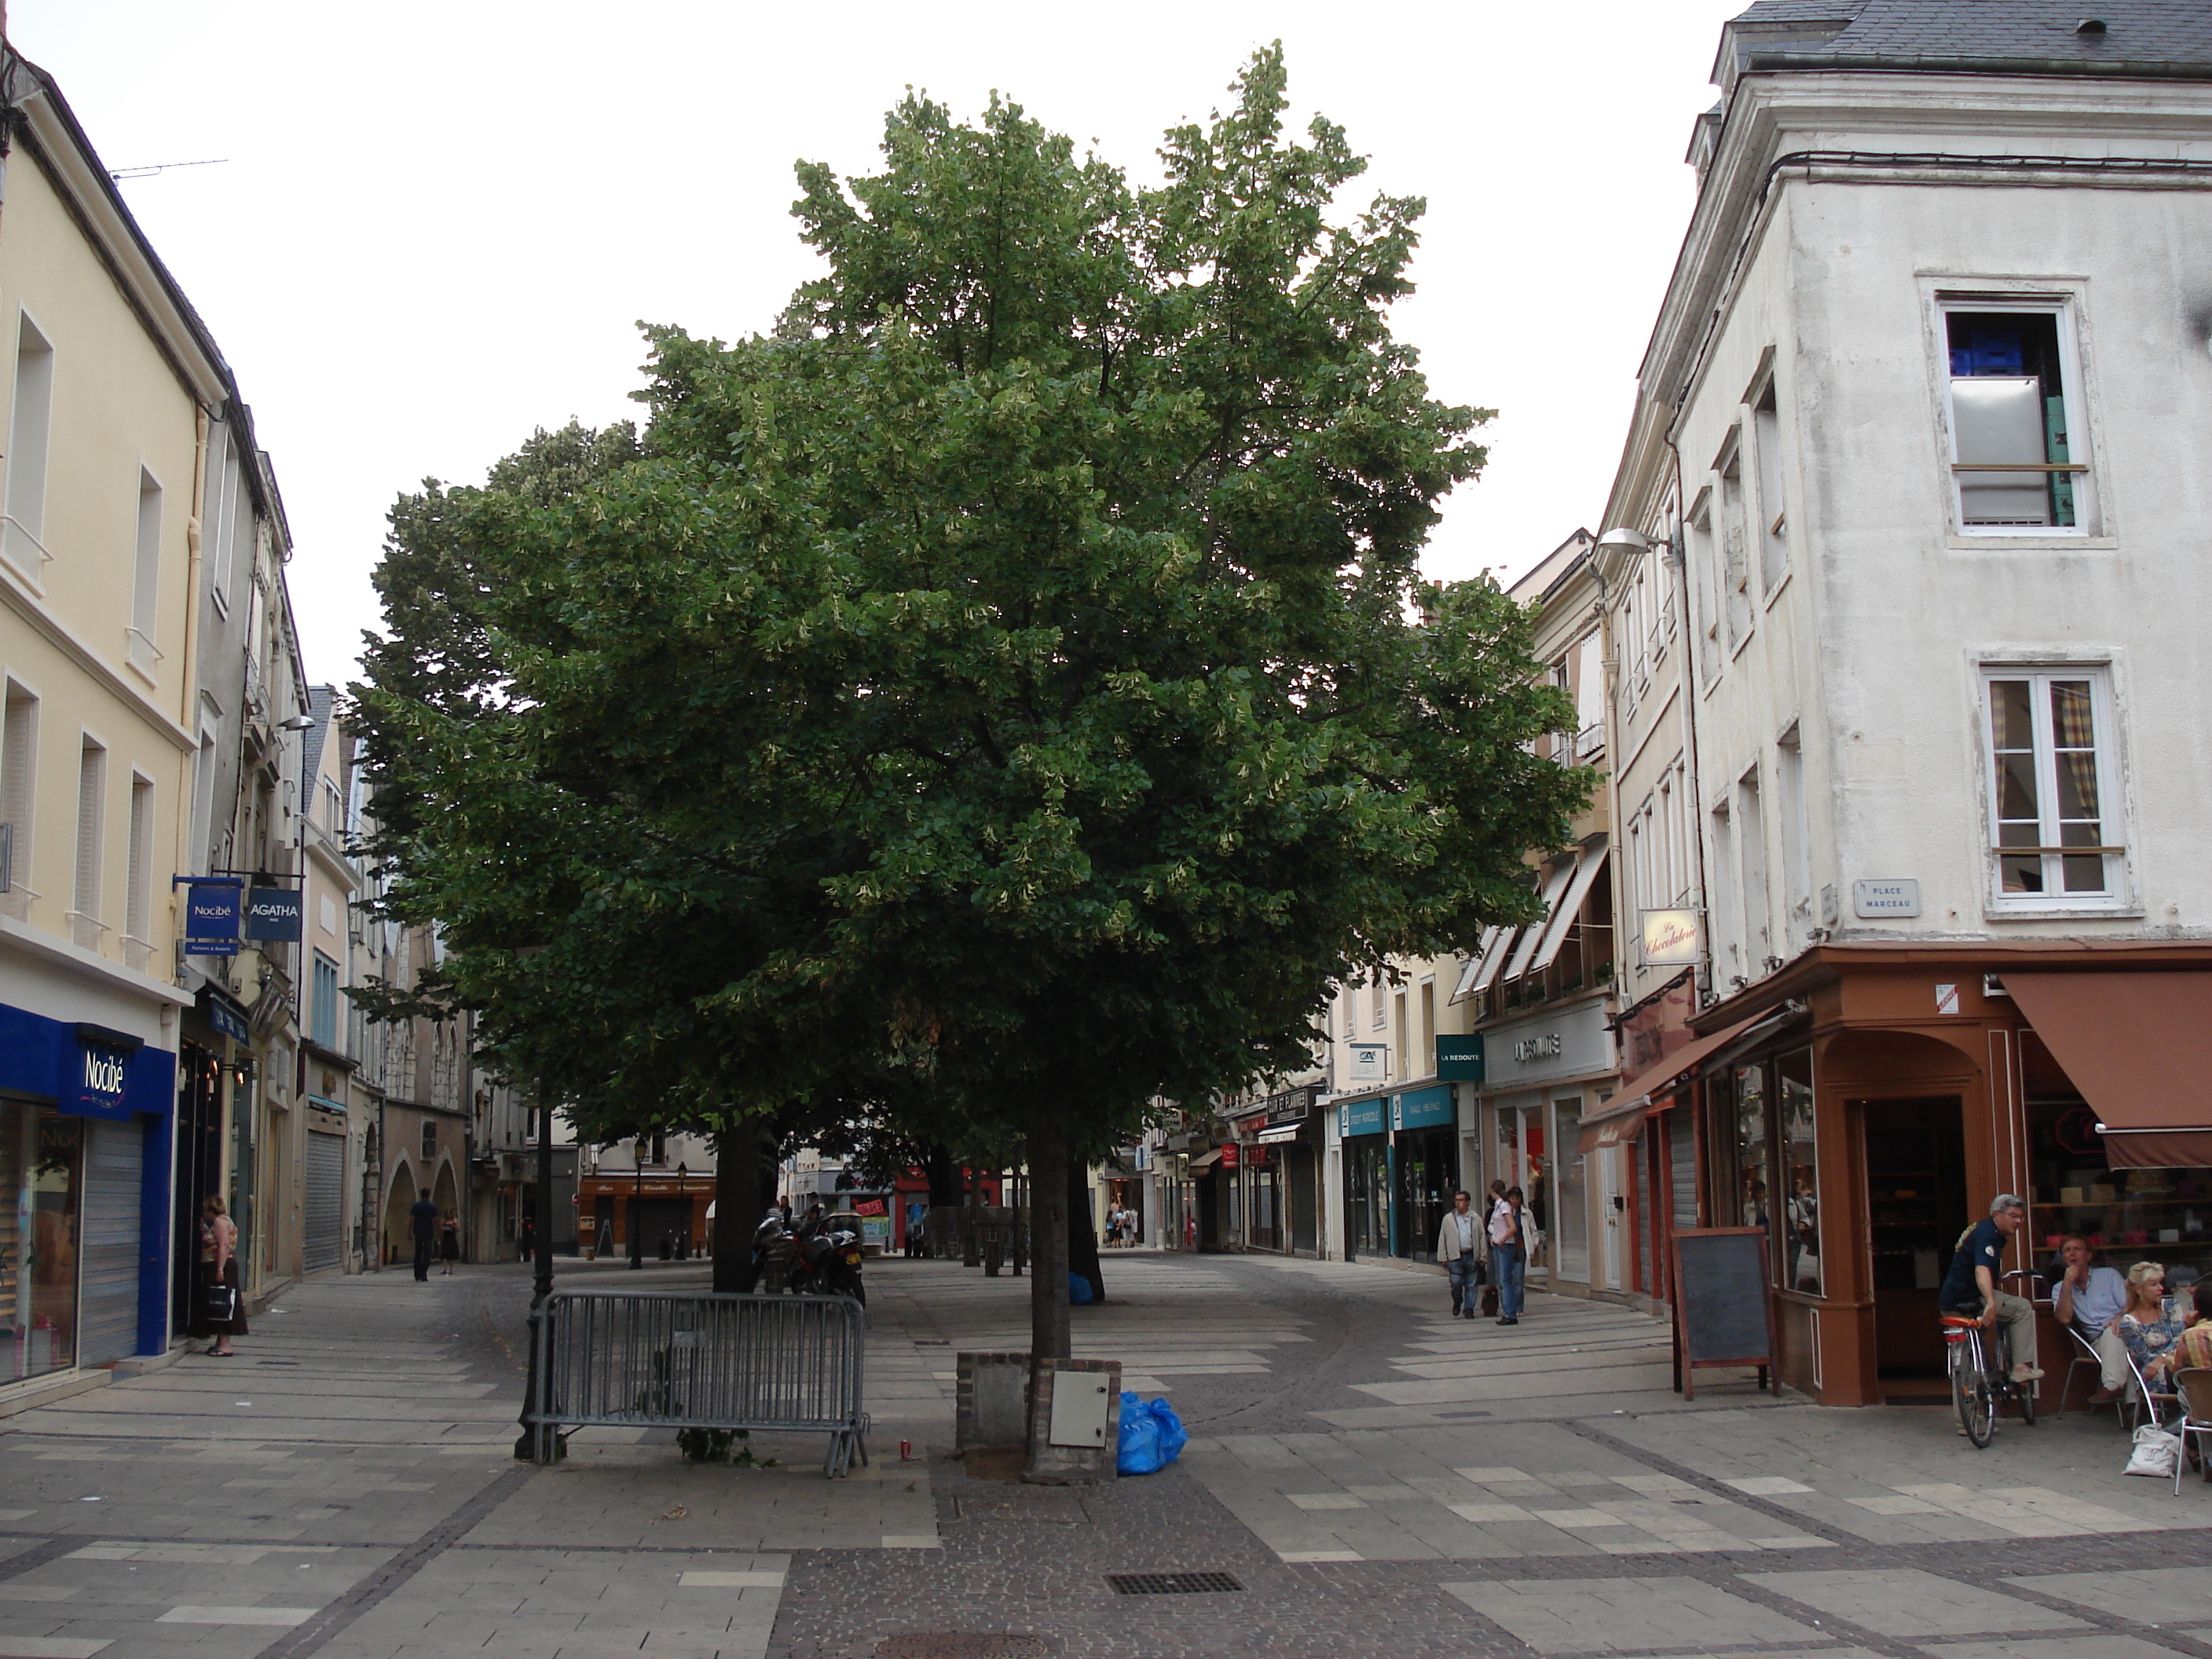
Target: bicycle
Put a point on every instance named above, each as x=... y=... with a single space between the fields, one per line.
x=1980 y=1364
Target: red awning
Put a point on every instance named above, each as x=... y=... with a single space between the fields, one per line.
x=2139 y=1048
x=1621 y=1118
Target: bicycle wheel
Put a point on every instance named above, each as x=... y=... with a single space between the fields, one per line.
x=2022 y=1394
x=1970 y=1393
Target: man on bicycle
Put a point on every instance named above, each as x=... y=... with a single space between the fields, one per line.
x=1971 y=1287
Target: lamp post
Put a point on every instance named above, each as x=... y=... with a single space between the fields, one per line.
x=636 y=1233
x=683 y=1172
x=526 y=1447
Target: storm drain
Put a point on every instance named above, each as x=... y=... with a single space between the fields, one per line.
x=963 y=1644
x=1172 y=1583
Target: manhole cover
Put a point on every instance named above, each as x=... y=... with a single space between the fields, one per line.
x=1172 y=1583
x=963 y=1644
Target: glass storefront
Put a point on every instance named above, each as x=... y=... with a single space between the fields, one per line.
x=41 y=1177
x=1367 y=1195
x=1428 y=1174
x=2129 y=1215
x=1801 y=1174
x=1572 y=1244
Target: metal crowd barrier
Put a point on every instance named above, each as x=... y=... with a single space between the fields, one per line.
x=665 y=1359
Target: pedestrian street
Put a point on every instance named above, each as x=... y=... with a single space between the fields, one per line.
x=1373 y=1477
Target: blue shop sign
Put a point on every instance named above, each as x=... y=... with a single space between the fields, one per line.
x=1360 y=1117
x=211 y=906
x=1426 y=1109
x=87 y=1071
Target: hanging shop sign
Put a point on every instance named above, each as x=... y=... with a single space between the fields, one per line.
x=211 y=907
x=1671 y=938
x=274 y=914
x=226 y=1015
x=1229 y=1156
x=1460 y=1057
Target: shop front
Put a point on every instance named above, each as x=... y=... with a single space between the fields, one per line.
x=1363 y=1131
x=658 y=1217
x=1424 y=1131
x=85 y=1116
x=1872 y=1101
x=1542 y=1072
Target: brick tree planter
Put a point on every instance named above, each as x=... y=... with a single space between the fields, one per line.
x=1069 y=1465
x=991 y=1402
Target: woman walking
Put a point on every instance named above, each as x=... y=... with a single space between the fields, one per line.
x=449 y=1242
x=220 y=1305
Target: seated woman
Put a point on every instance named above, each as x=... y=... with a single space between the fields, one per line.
x=2150 y=1325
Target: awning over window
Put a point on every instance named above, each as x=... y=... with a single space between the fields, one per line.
x=1562 y=873
x=2139 y=1048
x=1496 y=942
x=1622 y=1117
x=1206 y=1160
x=1563 y=916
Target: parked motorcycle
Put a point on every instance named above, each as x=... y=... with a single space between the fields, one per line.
x=826 y=1261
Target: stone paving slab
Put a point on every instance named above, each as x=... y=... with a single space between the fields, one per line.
x=1626 y=1615
x=2164 y=1595
x=1905 y=1602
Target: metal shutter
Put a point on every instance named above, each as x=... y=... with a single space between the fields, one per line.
x=1683 y=1148
x=325 y=1244
x=115 y=1159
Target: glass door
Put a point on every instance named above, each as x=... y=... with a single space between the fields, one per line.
x=1573 y=1200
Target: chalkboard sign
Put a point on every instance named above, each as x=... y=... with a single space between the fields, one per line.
x=1723 y=1313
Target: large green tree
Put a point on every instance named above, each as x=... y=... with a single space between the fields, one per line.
x=1001 y=696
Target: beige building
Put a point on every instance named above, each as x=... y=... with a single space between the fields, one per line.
x=110 y=379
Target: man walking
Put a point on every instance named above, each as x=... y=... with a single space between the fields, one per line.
x=422 y=1220
x=1456 y=1248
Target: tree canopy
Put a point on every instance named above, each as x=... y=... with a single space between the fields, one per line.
x=1002 y=695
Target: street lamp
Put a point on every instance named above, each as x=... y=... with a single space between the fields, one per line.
x=682 y=1170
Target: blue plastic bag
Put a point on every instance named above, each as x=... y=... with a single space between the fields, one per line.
x=1153 y=1436
x=1139 y=1450
x=1078 y=1291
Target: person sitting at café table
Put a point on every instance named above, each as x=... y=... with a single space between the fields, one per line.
x=2089 y=1297
x=2150 y=1325
x=2194 y=1347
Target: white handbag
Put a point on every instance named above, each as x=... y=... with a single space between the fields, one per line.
x=2155 y=1453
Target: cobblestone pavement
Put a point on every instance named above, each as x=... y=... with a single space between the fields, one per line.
x=1381 y=1479
x=1376 y=1477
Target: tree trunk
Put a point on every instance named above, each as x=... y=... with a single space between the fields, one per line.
x=1047 y=1159
x=1082 y=1230
x=738 y=1206
x=971 y=1243
x=944 y=1172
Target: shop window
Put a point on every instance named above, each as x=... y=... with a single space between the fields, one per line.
x=41 y=1174
x=1801 y=1170
x=2017 y=456
x=2129 y=1215
x=1740 y=1179
x=2051 y=787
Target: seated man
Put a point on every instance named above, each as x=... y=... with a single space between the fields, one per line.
x=2089 y=1297
x=1971 y=1287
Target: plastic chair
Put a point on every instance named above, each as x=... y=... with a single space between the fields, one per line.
x=2087 y=1355
x=2194 y=1383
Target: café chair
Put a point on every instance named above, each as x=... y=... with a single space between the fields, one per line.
x=2193 y=1386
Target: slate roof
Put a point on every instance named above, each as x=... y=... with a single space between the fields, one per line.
x=2141 y=37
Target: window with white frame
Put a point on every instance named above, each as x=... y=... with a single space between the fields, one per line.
x=323 y=1009
x=1378 y=1015
x=1589 y=696
x=1704 y=571
x=2053 y=795
x=2019 y=443
x=1735 y=556
x=24 y=504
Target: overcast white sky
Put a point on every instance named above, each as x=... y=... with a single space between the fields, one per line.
x=436 y=225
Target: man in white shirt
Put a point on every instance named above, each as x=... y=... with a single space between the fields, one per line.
x=1459 y=1246
x=2089 y=1298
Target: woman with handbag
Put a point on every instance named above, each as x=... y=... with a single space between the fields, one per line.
x=221 y=1302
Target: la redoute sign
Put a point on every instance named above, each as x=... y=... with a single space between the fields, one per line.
x=1566 y=1042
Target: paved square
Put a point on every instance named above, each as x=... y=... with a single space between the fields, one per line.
x=1909 y=1603
x=1627 y=1615
x=2162 y=1595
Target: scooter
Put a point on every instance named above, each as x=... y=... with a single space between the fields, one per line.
x=827 y=1263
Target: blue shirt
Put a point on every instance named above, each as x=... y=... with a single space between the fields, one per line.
x=2099 y=1303
x=1981 y=1245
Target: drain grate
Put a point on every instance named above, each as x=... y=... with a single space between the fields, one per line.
x=1172 y=1583
x=963 y=1644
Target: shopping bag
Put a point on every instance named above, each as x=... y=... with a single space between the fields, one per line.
x=1078 y=1291
x=2156 y=1452
x=222 y=1308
